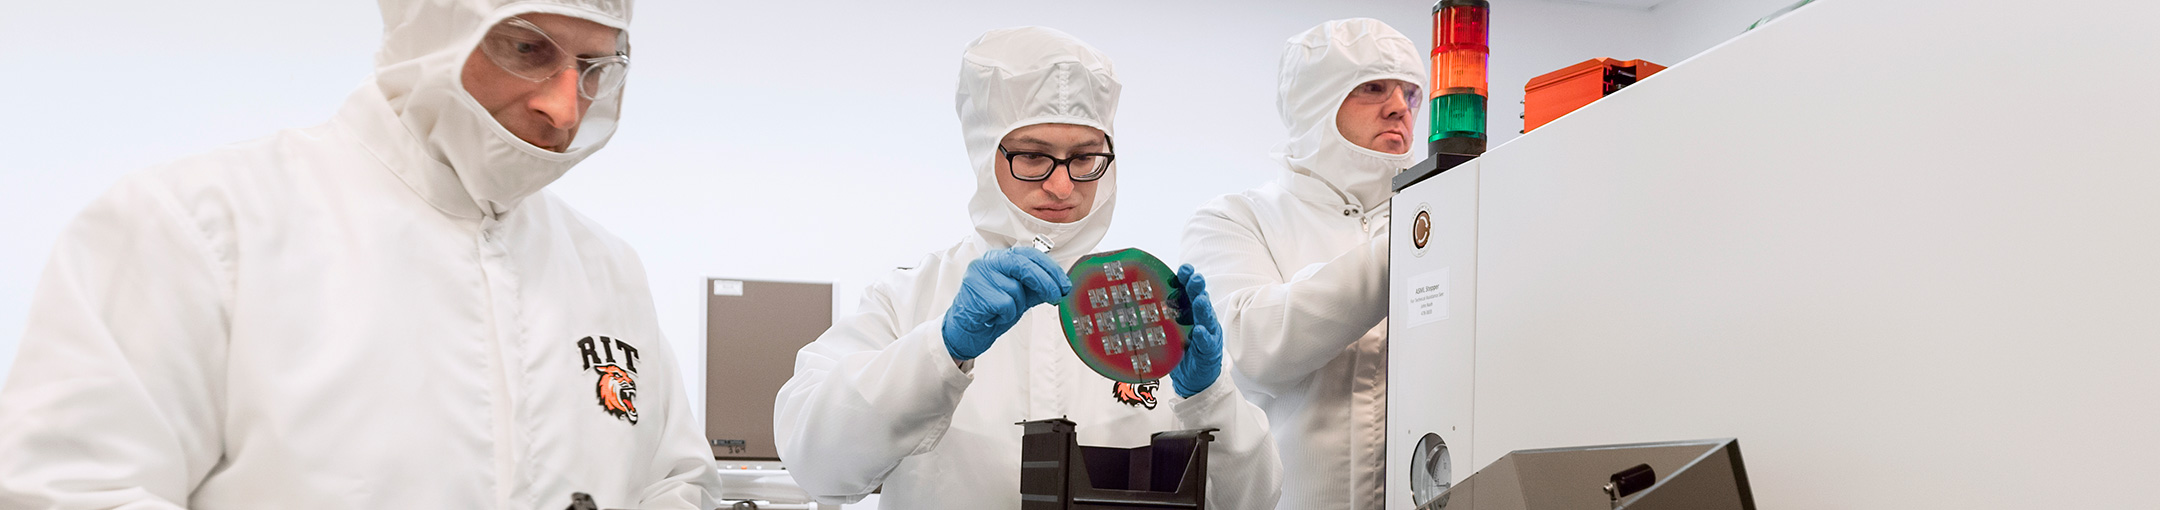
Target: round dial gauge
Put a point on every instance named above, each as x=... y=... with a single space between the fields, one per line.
x=1431 y=473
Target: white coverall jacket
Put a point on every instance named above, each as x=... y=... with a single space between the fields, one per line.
x=1298 y=271
x=335 y=318
x=877 y=400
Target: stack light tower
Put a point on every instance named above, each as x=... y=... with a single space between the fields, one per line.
x=1460 y=48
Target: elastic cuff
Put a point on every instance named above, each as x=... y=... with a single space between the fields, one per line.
x=950 y=368
x=1178 y=383
x=1206 y=398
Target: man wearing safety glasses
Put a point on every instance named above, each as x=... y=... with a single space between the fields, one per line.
x=919 y=390
x=384 y=311
x=1299 y=266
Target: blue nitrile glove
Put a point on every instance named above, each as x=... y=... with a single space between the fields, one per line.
x=998 y=288
x=1203 y=348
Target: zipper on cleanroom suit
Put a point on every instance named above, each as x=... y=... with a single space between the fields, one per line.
x=494 y=264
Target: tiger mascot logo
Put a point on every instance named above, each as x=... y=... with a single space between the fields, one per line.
x=1136 y=395
x=618 y=392
x=617 y=387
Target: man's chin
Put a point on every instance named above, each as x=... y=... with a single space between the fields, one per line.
x=1058 y=215
x=553 y=144
x=1391 y=144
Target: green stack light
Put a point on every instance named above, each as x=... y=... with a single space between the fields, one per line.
x=1460 y=48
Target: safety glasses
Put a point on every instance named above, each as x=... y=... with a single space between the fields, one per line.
x=1381 y=91
x=524 y=50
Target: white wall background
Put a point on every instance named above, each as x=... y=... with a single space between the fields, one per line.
x=809 y=141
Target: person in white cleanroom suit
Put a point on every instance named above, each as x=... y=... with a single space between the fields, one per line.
x=383 y=311
x=911 y=394
x=1298 y=267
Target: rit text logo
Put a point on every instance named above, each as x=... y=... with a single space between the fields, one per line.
x=617 y=387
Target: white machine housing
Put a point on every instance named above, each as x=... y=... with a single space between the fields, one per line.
x=1906 y=251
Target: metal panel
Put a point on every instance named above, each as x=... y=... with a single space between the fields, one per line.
x=1905 y=275
x=1429 y=358
x=752 y=330
x=1904 y=249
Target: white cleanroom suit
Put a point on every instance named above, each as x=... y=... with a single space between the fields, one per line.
x=382 y=311
x=878 y=399
x=1298 y=270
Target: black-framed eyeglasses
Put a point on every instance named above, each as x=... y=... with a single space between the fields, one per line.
x=1037 y=166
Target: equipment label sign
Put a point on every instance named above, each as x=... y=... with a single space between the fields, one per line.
x=1428 y=298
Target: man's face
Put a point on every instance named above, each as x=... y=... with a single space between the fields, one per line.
x=545 y=113
x=1056 y=199
x=1376 y=116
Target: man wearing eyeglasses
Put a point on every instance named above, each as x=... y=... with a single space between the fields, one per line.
x=384 y=311
x=920 y=390
x=1299 y=265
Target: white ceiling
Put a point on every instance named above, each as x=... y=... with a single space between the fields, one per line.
x=1631 y=4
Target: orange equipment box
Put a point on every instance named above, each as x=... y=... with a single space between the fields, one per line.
x=1554 y=94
